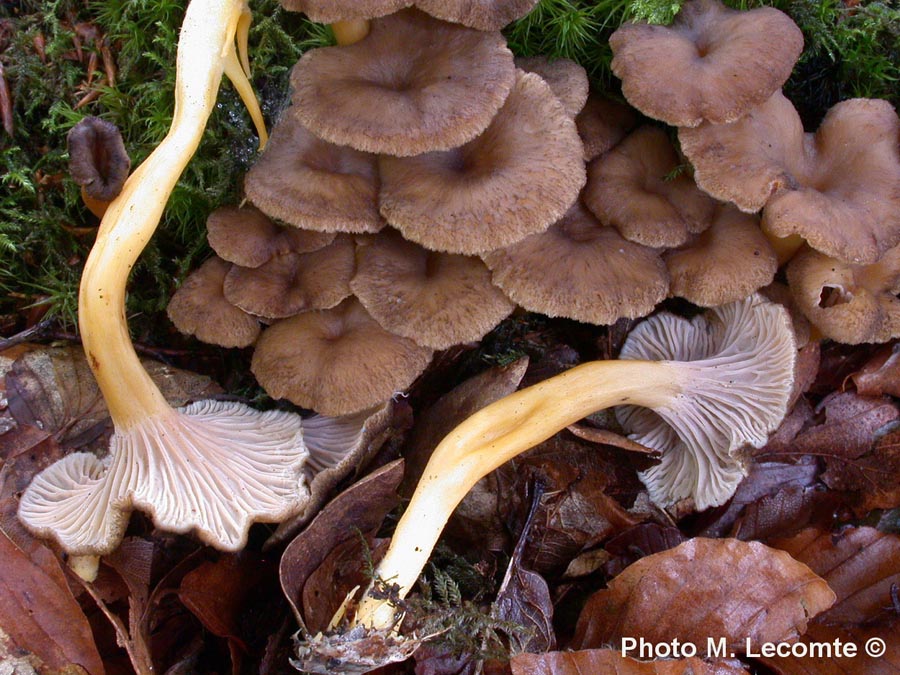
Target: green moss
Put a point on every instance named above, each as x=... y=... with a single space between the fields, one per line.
x=46 y=232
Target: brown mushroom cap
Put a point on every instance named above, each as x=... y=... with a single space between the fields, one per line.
x=567 y=79
x=631 y=188
x=516 y=179
x=422 y=85
x=848 y=207
x=747 y=161
x=602 y=123
x=98 y=160
x=246 y=237
x=837 y=188
x=480 y=14
x=713 y=63
x=200 y=309
x=294 y=282
x=435 y=299
x=581 y=270
x=725 y=263
x=330 y=11
x=846 y=302
x=336 y=361
x=308 y=183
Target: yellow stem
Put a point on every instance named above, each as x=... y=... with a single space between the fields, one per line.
x=493 y=436
x=205 y=49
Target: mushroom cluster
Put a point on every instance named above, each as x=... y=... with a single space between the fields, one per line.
x=830 y=198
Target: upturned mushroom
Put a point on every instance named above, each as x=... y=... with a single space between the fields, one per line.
x=211 y=467
x=713 y=63
x=710 y=385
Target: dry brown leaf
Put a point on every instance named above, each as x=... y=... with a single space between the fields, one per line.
x=610 y=662
x=861 y=663
x=873 y=479
x=359 y=508
x=881 y=374
x=859 y=564
x=640 y=541
x=746 y=593
x=39 y=613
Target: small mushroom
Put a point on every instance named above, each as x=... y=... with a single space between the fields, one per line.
x=632 y=188
x=517 y=178
x=835 y=189
x=567 y=79
x=602 y=124
x=726 y=262
x=435 y=299
x=311 y=184
x=336 y=361
x=849 y=303
x=290 y=283
x=713 y=63
x=424 y=85
x=199 y=308
x=481 y=14
x=98 y=162
x=581 y=270
x=713 y=384
x=332 y=11
x=246 y=237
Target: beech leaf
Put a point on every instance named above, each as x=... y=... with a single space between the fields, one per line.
x=859 y=564
x=746 y=593
x=39 y=613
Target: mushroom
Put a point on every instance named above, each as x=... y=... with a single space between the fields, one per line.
x=435 y=299
x=246 y=237
x=199 y=308
x=846 y=302
x=98 y=162
x=481 y=14
x=306 y=182
x=835 y=189
x=602 y=124
x=567 y=79
x=713 y=384
x=331 y=11
x=726 y=262
x=581 y=270
x=213 y=467
x=424 y=85
x=336 y=361
x=517 y=178
x=713 y=63
x=290 y=283
x=632 y=188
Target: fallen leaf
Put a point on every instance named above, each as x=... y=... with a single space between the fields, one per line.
x=785 y=512
x=859 y=564
x=360 y=508
x=638 y=542
x=611 y=662
x=39 y=612
x=706 y=588
x=872 y=479
x=859 y=664
x=881 y=374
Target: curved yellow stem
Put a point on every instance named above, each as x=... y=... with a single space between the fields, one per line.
x=206 y=50
x=494 y=435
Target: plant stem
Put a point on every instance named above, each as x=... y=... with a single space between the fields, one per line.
x=496 y=434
